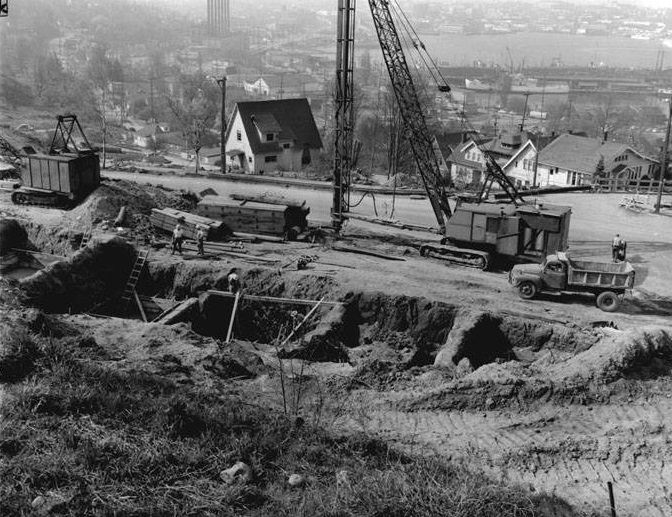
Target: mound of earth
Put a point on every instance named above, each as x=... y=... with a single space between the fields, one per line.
x=91 y=275
x=12 y=235
x=106 y=201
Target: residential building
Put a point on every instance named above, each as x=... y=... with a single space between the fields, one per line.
x=573 y=160
x=265 y=136
x=467 y=164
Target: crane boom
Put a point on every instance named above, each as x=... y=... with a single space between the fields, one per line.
x=411 y=112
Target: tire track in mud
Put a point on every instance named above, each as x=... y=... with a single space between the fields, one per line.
x=570 y=451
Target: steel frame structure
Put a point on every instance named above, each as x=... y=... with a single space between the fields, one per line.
x=343 y=142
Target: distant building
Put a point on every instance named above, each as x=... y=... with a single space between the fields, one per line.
x=573 y=160
x=265 y=136
x=258 y=87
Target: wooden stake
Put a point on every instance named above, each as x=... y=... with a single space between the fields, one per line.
x=233 y=317
x=142 y=309
x=310 y=313
x=612 y=504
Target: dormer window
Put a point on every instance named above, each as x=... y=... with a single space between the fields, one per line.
x=270 y=137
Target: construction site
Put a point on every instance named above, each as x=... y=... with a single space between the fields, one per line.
x=176 y=344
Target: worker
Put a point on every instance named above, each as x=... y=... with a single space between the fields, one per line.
x=622 y=247
x=615 y=247
x=178 y=237
x=200 y=240
x=233 y=280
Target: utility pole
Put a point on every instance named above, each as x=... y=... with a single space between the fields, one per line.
x=663 y=161
x=222 y=135
x=151 y=109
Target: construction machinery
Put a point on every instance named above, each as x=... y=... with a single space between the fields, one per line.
x=477 y=232
x=65 y=175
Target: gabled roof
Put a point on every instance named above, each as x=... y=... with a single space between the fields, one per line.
x=581 y=154
x=459 y=155
x=293 y=118
x=520 y=151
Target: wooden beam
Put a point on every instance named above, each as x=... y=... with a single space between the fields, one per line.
x=39 y=253
x=271 y=299
x=362 y=251
x=270 y=200
x=306 y=317
x=233 y=317
x=393 y=224
x=139 y=303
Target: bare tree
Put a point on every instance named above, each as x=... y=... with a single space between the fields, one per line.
x=195 y=110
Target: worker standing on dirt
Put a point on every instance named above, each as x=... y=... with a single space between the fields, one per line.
x=622 y=247
x=616 y=247
x=200 y=240
x=233 y=280
x=178 y=237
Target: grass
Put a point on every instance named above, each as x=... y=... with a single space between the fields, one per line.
x=93 y=439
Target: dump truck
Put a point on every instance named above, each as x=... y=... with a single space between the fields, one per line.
x=558 y=273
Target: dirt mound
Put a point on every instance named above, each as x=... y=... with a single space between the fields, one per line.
x=642 y=353
x=106 y=201
x=475 y=336
x=93 y=274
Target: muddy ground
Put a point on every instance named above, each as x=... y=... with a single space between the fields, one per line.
x=550 y=393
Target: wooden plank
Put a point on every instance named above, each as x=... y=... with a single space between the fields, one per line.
x=139 y=303
x=362 y=251
x=254 y=236
x=271 y=299
x=233 y=317
x=269 y=199
x=394 y=224
x=177 y=311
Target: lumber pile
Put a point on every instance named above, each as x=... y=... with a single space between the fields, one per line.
x=263 y=215
x=167 y=218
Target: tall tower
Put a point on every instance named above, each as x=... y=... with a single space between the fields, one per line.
x=219 y=17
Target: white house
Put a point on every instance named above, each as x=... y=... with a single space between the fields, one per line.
x=520 y=167
x=573 y=160
x=467 y=164
x=265 y=136
x=258 y=87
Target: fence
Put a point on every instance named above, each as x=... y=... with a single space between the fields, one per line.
x=642 y=186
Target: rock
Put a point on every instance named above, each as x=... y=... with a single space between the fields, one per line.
x=296 y=480
x=239 y=473
x=342 y=478
x=38 y=501
x=464 y=368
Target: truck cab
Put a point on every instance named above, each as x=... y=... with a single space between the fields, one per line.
x=558 y=273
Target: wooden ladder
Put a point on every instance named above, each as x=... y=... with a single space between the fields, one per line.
x=86 y=238
x=129 y=290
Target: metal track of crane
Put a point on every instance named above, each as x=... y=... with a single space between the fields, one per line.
x=415 y=124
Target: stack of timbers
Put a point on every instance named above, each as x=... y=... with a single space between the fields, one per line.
x=167 y=218
x=266 y=215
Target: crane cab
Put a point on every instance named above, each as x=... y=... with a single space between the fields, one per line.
x=519 y=233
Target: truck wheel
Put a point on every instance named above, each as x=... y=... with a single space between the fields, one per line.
x=608 y=301
x=527 y=290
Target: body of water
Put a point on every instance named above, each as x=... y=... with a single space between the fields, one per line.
x=539 y=49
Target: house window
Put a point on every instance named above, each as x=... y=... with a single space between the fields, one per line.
x=269 y=137
x=286 y=146
x=270 y=159
x=249 y=159
x=239 y=135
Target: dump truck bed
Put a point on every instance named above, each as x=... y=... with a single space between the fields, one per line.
x=605 y=275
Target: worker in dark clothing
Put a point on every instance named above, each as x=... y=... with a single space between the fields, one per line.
x=618 y=248
x=178 y=237
x=233 y=280
x=622 y=248
x=200 y=240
